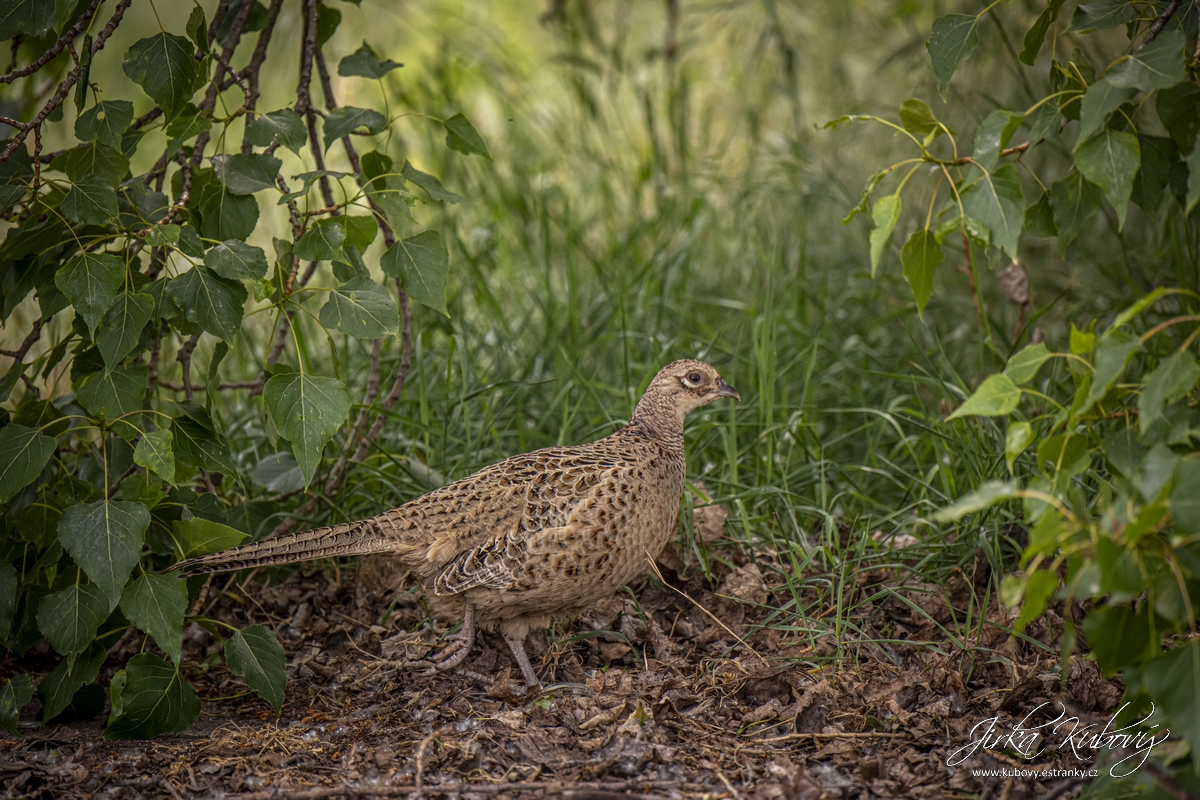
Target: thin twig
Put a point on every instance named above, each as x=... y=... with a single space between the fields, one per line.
x=711 y=615
x=184 y=357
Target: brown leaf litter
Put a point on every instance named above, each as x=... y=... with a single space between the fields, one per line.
x=650 y=698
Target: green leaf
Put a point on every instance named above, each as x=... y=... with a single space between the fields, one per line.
x=364 y=63
x=997 y=202
x=1112 y=354
x=284 y=126
x=1024 y=365
x=1037 y=33
x=115 y=394
x=237 y=261
x=161 y=235
x=1137 y=307
x=308 y=411
x=1039 y=218
x=322 y=242
x=917 y=117
x=246 y=173
x=8 y=593
x=256 y=654
x=105 y=539
x=343 y=121
x=23 y=455
x=26 y=18
x=421 y=262
x=462 y=136
x=360 y=232
x=995 y=397
x=1160 y=155
x=1174 y=378
x=986 y=496
x=1111 y=159
x=1102 y=14
x=1158 y=65
x=105 y=122
x=885 y=215
x=1173 y=681
x=1073 y=199
x=993 y=135
x=1101 y=99
x=17 y=692
x=215 y=304
x=164 y=65
x=921 y=255
x=200 y=447
x=69 y=619
x=90 y=201
x=186 y=127
x=94 y=158
x=361 y=308
x=197 y=29
x=1061 y=452
x=199 y=537
x=328 y=20
x=121 y=328
x=276 y=473
x=1118 y=636
x=225 y=215
x=1039 y=586
x=868 y=188
x=954 y=39
x=1193 y=184
x=1178 y=109
x=429 y=183
x=1020 y=434
x=58 y=689
x=1184 y=500
x=156 y=700
x=156 y=604
x=153 y=452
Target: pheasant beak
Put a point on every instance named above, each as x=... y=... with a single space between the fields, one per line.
x=725 y=390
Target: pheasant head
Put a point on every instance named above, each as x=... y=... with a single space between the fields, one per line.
x=678 y=389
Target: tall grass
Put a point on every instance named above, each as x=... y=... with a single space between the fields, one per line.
x=643 y=208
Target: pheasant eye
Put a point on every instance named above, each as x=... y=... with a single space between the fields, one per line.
x=694 y=378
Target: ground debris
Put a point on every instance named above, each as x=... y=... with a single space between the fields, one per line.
x=658 y=700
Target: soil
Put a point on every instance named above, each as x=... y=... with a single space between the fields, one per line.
x=670 y=691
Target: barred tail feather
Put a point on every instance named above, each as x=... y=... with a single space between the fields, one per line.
x=347 y=539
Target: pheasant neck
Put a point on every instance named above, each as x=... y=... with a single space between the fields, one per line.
x=659 y=418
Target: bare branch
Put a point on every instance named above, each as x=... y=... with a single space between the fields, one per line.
x=61 y=95
x=58 y=47
x=19 y=354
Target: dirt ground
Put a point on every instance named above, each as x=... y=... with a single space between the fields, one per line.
x=656 y=698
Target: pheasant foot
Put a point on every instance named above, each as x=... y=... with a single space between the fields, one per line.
x=458 y=648
x=517 y=645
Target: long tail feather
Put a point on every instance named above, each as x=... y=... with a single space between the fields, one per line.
x=347 y=539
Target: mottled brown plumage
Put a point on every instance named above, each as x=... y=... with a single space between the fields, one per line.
x=533 y=538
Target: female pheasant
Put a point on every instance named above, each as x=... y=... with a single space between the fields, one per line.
x=532 y=538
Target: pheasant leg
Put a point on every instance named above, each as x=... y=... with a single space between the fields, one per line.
x=517 y=645
x=459 y=647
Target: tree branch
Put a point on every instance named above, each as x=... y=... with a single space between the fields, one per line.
x=58 y=47
x=1161 y=22
x=61 y=95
